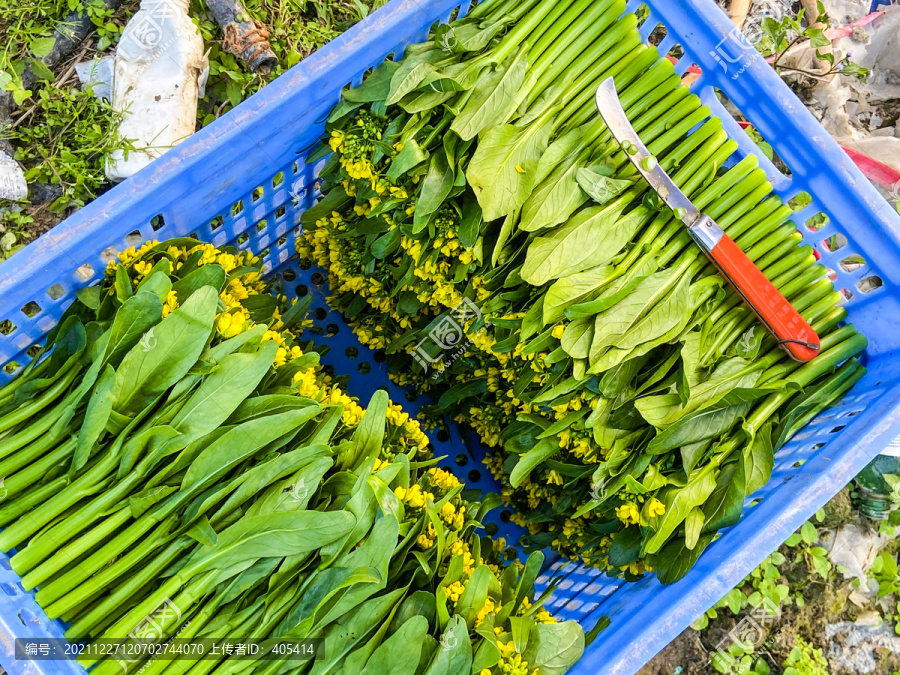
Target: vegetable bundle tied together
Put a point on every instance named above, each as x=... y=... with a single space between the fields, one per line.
x=190 y=452
x=633 y=401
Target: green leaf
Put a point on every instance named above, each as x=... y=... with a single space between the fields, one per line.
x=506 y=230
x=553 y=200
x=500 y=187
x=42 y=46
x=472 y=37
x=592 y=237
x=454 y=654
x=412 y=72
x=651 y=310
x=207 y=275
x=139 y=503
x=386 y=244
x=270 y=535
x=599 y=187
x=553 y=648
x=399 y=654
x=123 y=285
x=526 y=464
x=376 y=86
x=808 y=533
x=693 y=525
x=222 y=391
x=626 y=547
x=134 y=325
x=699 y=426
x=494 y=98
x=90 y=296
x=724 y=506
x=676 y=559
x=144 y=374
x=95 y=417
x=240 y=442
x=461 y=391
x=572 y=289
x=577 y=338
x=759 y=459
x=369 y=434
x=679 y=502
x=435 y=188
x=202 y=533
x=410 y=156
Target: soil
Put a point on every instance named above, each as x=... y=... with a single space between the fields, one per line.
x=826 y=603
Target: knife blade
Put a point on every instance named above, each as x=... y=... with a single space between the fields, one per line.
x=793 y=334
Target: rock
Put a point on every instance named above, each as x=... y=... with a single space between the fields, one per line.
x=42 y=193
x=861 y=600
x=870 y=618
x=884 y=132
x=853 y=648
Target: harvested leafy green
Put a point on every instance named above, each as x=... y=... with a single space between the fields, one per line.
x=178 y=446
x=481 y=226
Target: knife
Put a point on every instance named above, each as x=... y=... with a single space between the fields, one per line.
x=793 y=334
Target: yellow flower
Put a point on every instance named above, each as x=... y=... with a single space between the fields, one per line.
x=230 y=324
x=280 y=357
x=506 y=648
x=171 y=304
x=487 y=608
x=519 y=169
x=628 y=514
x=142 y=267
x=655 y=508
x=454 y=590
x=275 y=336
x=558 y=331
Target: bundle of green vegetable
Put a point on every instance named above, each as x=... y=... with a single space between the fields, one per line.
x=633 y=400
x=180 y=455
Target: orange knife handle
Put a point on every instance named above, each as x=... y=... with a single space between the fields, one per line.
x=791 y=330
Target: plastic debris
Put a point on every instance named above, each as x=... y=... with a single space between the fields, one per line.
x=12 y=179
x=98 y=74
x=159 y=69
x=854 y=548
x=245 y=37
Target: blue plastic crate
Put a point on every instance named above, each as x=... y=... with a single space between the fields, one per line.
x=205 y=187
